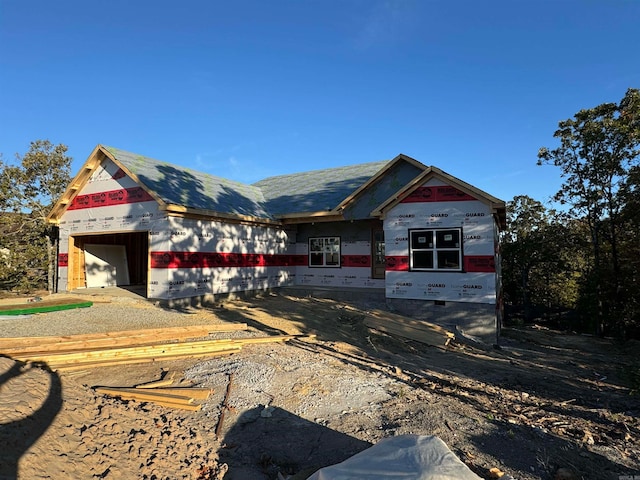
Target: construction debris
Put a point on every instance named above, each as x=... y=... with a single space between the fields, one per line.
x=115 y=338
x=165 y=381
x=79 y=352
x=161 y=393
x=418 y=330
x=183 y=400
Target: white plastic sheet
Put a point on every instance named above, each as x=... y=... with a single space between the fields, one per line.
x=405 y=457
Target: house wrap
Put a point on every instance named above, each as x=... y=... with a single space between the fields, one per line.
x=425 y=240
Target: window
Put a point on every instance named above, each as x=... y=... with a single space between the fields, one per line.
x=324 y=252
x=436 y=249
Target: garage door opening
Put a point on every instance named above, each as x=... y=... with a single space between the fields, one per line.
x=117 y=259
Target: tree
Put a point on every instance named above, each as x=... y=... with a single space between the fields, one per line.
x=522 y=248
x=541 y=267
x=598 y=150
x=28 y=189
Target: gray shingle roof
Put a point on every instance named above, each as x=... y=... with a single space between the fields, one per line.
x=190 y=188
x=315 y=191
x=306 y=192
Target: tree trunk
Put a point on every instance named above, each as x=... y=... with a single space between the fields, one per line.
x=600 y=320
x=525 y=294
x=52 y=255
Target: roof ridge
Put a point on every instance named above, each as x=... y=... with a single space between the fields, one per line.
x=323 y=170
x=181 y=167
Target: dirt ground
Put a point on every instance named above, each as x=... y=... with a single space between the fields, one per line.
x=543 y=405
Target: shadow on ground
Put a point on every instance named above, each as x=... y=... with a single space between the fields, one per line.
x=17 y=436
x=288 y=444
x=539 y=389
x=547 y=455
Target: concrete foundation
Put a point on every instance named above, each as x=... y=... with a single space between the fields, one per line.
x=475 y=320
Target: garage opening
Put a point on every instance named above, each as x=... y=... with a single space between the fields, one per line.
x=116 y=259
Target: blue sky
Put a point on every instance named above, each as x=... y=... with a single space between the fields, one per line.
x=250 y=89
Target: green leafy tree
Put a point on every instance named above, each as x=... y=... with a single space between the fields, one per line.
x=540 y=265
x=598 y=151
x=522 y=249
x=28 y=189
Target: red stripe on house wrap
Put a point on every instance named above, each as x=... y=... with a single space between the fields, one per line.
x=473 y=263
x=437 y=194
x=221 y=260
x=63 y=259
x=110 y=198
x=355 y=260
x=397 y=263
x=480 y=263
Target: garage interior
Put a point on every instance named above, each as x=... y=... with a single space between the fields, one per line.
x=114 y=259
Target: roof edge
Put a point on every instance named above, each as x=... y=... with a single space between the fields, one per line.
x=498 y=206
x=88 y=167
x=132 y=175
x=182 y=211
x=94 y=160
x=392 y=163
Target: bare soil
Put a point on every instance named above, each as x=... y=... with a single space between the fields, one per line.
x=544 y=405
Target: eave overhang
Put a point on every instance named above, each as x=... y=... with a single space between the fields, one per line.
x=189 y=212
x=399 y=158
x=497 y=206
x=93 y=162
x=311 y=217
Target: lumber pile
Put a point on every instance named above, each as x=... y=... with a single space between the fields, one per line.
x=115 y=338
x=180 y=397
x=418 y=330
x=161 y=392
x=78 y=352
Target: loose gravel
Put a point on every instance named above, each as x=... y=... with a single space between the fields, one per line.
x=115 y=315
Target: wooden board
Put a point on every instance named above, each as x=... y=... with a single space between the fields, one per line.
x=192 y=392
x=54 y=355
x=403 y=320
x=69 y=367
x=145 y=351
x=186 y=393
x=116 y=338
x=412 y=329
x=42 y=307
x=145 y=395
x=79 y=352
x=159 y=398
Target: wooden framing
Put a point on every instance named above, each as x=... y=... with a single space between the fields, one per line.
x=135 y=242
x=186 y=212
x=76 y=274
x=93 y=162
x=497 y=206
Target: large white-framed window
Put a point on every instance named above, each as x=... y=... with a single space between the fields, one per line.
x=435 y=249
x=324 y=252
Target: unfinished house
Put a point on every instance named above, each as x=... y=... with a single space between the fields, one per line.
x=419 y=238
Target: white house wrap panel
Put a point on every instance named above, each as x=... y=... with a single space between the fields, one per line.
x=199 y=257
x=475 y=281
x=354 y=269
x=109 y=202
x=424 y=237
